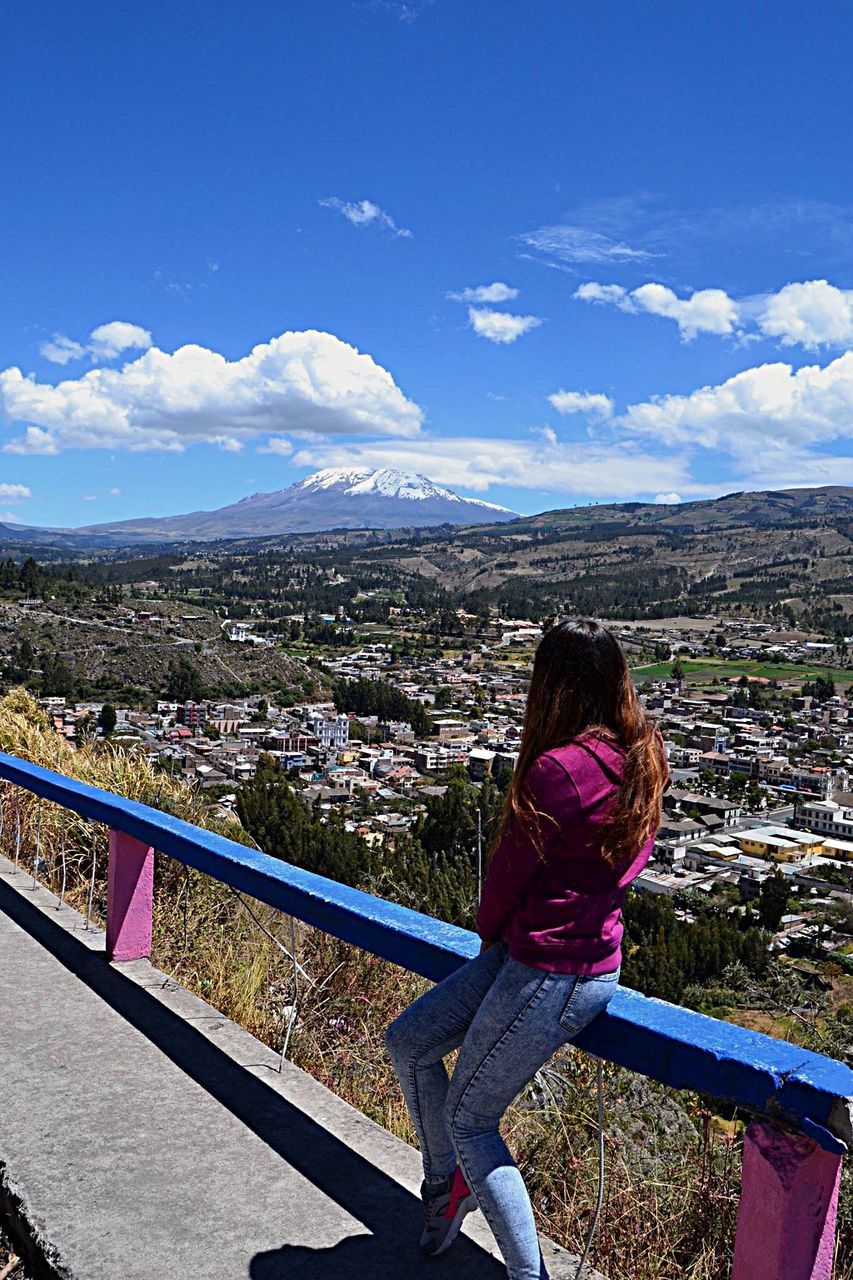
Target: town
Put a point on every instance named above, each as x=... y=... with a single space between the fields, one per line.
x=760 y=764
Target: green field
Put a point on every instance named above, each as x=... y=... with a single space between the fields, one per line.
x=701 y=670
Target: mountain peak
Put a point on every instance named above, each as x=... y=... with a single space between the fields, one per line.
x=334 y=498
x=387 y=482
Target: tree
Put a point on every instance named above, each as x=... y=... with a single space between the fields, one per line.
x=821 y=688
x=23 y=660
x=184 y=681
x=56 y=678
x=84 y=730
x=677 y=669
x=107 y=719
x=773 y=901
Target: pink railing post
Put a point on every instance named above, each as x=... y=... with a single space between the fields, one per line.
x=789 y=1199
x=130 y=897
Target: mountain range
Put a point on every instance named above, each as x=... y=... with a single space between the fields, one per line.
x=386 y=498
x=367 y=498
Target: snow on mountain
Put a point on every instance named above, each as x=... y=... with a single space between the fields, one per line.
x=348 y=498
x=389 y=482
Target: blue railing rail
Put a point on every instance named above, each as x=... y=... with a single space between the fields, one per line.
x=806 y=1091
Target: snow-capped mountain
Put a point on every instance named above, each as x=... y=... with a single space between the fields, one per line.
x=387 y=482
x=363 y=498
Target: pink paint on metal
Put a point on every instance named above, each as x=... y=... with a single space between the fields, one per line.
x=130 y=897
x=786 y=1219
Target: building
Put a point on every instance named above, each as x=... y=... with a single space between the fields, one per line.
x=781 y=773
x=827 y=818
x=711 y=806
x=480 y=762
x=332 y=732
x=779 y=844
x=193 y=715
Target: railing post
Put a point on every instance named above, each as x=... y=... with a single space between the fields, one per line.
x=130 y=897
x=789 y=1199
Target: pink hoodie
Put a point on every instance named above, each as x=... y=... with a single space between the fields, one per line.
x=563 y=915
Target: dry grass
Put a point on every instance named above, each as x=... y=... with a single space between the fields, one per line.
x=672 y=1175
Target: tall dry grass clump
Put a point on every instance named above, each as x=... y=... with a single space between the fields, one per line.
x=672 y=1176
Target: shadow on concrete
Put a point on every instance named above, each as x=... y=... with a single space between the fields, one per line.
x=390 y=1214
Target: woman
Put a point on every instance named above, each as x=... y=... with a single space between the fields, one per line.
x=578 y=826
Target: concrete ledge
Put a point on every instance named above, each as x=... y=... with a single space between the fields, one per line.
x=144 y=1135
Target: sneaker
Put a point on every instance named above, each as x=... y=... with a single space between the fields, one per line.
x=445 y=1205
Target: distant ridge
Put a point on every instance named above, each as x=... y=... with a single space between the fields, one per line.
x=386 y=498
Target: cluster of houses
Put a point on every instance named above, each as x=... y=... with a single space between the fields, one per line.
x=749 y=795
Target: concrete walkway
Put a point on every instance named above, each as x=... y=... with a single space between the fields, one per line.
x=143 y=1136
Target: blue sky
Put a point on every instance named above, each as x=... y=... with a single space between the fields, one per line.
x=230 y=236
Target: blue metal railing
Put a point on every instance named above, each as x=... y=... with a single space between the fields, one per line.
x=676 y=1046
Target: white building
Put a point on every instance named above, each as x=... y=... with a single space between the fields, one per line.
x=827 y=818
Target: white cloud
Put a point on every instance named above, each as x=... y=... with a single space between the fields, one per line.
x=619 y=470
x=61 y=350
x=664 y=499
x=109 y=340
x=704 y=311
x=497 y=292
x=549 y=434
x=14 y=492
x=811 y=313
x=105 y=343
x=362 y=213
x=300 y=381
x=500 y=326
x=279 y=445
x=770 y=408
x=115 y=493
x=568 y=242
x=89 y=497
x=592 y=403
x=605 y=293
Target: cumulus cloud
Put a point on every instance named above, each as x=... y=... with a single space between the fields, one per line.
x=814 y=313
x=105 y=343
x=109 y=340
x=61 y=350
x=500 y=326
x=361 y=213
x=811 y=313
x=14 y=492
x=771 y=408
x=592 y=403
x=300 y=381
x=769 y=427
x=497 y=292
x=704 y=311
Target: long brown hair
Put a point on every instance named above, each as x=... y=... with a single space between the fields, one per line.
x=581 y=687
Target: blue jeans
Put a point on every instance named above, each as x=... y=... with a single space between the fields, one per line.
x=509 y=1019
